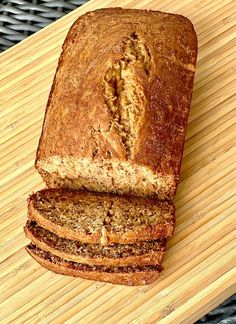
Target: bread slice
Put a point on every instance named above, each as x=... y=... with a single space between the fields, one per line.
x=142 y=253
x=129 y=275
x=101 y=218
x=118 y=109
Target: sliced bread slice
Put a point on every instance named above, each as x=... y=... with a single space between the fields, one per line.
x=101 y=218
x=141 y=253
x=129 y=275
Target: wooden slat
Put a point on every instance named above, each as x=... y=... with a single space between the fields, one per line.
x=200 y=262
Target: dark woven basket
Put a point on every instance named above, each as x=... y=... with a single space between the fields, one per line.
x=19 y=19
x=224 y=314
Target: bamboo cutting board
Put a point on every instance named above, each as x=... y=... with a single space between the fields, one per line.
x=200 y=263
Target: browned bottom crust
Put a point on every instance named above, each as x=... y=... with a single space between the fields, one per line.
x=144 y=253
x=130 y=276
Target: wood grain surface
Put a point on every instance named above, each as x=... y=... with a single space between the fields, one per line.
x=200 y=263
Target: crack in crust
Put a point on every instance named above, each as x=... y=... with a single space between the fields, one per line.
x=124 y=94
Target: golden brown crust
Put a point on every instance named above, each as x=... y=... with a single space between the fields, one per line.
x=151 y=258
x=77 y=94
x=141 y=233
x=123 y=278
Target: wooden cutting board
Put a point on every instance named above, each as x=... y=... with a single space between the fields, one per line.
x=200 y=263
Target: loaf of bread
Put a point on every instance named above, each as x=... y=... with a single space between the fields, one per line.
x=139 y=254
x=128 y=275
x=111 y=146
x=117 y=112
x=91 y=217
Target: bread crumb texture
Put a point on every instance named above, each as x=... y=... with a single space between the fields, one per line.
x=101 y=175
x=89 y=213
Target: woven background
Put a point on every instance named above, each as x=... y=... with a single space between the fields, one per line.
x=19 y=19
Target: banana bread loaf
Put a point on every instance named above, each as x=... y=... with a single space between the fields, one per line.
x=101 y=218
x=128 y=275
x=117 y=112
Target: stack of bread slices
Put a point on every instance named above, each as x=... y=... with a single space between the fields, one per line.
x=111 y=146
x=99 y=236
